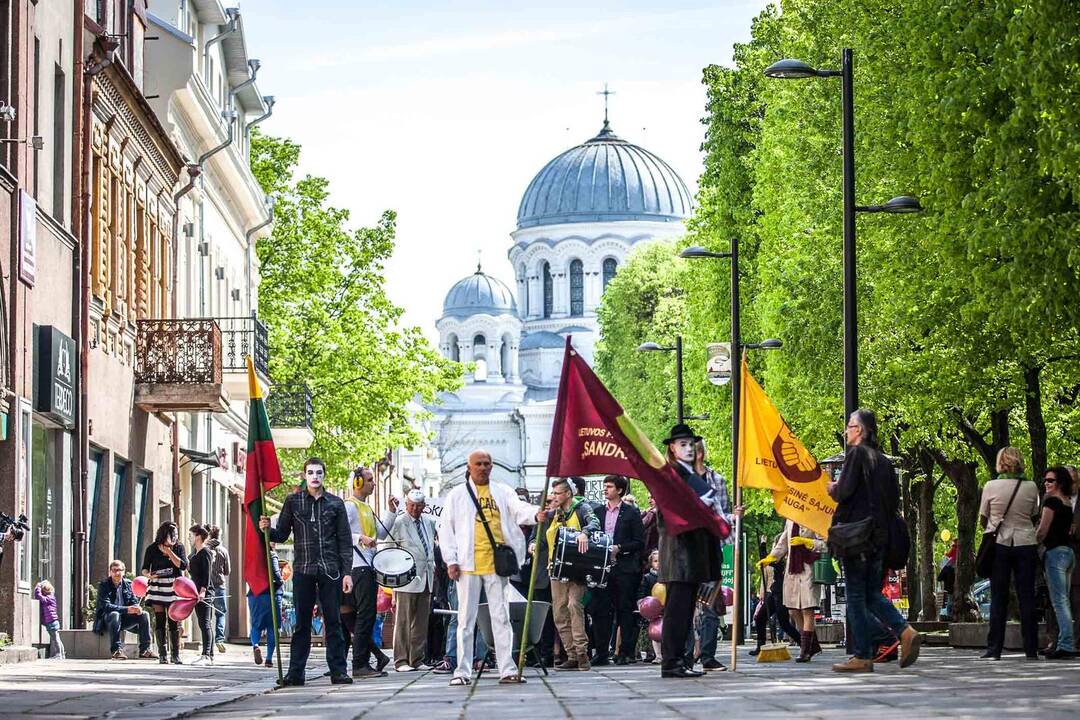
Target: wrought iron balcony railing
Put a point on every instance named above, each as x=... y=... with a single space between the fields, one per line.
x=243 y=336
x=290 y=407
x=178 y=352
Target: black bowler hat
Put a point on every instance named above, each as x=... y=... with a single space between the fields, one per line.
x=681 y=431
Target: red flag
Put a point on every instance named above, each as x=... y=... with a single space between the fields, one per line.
x=592 y=435
x=262 y=470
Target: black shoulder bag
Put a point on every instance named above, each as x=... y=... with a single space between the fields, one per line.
x=506 y=563
x=984 y=559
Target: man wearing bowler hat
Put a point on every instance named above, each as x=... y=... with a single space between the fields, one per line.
x=686 y=560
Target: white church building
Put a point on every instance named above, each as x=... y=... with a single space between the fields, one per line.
x=579 y=219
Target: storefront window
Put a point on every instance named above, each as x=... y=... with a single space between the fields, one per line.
x=24 y=497
x=120 y=471
x=93 y=497
x=142 y=487
x=41 y=504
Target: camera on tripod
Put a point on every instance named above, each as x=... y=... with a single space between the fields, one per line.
x=18 y=526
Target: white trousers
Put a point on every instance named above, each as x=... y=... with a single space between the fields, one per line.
x=468 y=595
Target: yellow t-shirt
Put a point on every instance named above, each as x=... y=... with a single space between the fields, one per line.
x=483 y=553
x=571 y=521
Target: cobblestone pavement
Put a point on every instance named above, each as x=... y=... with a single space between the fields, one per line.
x=945 y=683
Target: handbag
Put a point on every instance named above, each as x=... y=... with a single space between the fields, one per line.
x=984 y=559
x=506 y=563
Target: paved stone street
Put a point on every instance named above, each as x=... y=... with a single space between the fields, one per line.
x=945 y=683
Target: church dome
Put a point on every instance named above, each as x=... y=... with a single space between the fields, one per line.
x=479 y=293
x=604 y=179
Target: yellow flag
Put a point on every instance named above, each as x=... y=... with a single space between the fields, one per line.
x=770 y=457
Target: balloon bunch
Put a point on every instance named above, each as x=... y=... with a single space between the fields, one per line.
x=651 y=607
x=187 y=596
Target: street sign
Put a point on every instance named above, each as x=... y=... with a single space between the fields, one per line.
x=718 y=363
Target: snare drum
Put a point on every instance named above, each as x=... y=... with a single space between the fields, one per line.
x=394 y=567
x=591 y=568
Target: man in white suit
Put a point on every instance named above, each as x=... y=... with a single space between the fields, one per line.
x=469 y=555
x=414 y=531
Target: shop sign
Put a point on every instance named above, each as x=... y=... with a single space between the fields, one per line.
x=54 y=389
x=27 y=238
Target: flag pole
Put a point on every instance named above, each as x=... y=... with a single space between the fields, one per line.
x=736 y=439
x=274 y=610
x=532 y=587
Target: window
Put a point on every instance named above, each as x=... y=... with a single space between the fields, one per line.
x=480 y=358
x=549 y=301
x=611 y=266
x=142 y=488
x=452 y=350
x=524 y=280
x=59 y=161
x=119 y=486
x=37 y=113
x=42 y=464
x=24 y=496
x=93 y=497
x=577 y=288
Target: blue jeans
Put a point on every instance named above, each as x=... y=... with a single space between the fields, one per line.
x=480 y=648
x=261 y=620
x=1059 y=564
x=865 y=602
x=116 y=623
x=219 y=619
x=708 y=631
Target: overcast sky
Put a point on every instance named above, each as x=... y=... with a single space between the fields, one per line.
x=445 y=111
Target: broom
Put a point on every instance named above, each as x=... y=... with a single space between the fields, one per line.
x=771 y=652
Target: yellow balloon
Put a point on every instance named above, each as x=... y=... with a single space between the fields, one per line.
x=946 y=536
x=659 y=591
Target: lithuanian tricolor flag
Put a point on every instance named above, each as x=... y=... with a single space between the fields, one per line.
x=263 y=475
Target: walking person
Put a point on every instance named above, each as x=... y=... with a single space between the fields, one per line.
x=364 y=534
x=260 y=613
x=1008 y=504
x=479 y=515
x=1059 y=561
x=201 y=564
x=118 y=610
x=867 y=488
x=413 y=531
x=322 y=548
x=219 y=570
x=797 y=548
x=618 y=600
x=164 y=560
x=45 y=594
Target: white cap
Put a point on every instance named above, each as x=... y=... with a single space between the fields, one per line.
x=416 y=496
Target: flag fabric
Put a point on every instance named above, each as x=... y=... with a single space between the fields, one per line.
x=262 y=470
x=591 y=435
x=771 y=457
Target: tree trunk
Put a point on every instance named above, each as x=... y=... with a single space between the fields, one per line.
x=1036 y=423
x=963 y=477
x=914 y=575
x=926 y=531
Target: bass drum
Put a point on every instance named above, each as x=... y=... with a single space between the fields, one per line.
x=591 y=568
x=394 y=567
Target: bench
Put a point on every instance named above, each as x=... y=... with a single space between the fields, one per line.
x=87 y=645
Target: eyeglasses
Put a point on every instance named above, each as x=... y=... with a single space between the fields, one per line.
x=853 y=427
x=1050 y=480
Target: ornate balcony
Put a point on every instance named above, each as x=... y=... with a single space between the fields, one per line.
x=291 y=417
x=178 y=366
x=240 y=337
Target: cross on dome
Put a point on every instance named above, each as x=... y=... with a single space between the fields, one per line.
x=606 y=93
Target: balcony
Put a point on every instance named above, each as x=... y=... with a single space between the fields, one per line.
x=291 y=417
x=178 y=366
x=240 y=337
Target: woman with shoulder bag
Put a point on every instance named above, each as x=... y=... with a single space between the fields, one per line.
x=867 y=492
x=1008 y=504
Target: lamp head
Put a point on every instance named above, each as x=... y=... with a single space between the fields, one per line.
x=696 y=251
x=772 y=344
x=902 y=204
x=649 y=347
x=790 y=69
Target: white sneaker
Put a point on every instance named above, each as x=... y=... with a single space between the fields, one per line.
x=405 y=668
x=200 y=659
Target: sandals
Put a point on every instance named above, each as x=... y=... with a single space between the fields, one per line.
x=512 y=680
x=460 y=682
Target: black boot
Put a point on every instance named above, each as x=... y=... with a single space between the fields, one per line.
x=159 y=636
x=174 y=643
x=805 y=643
x=815 y=646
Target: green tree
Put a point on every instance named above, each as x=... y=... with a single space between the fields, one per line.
x=331 y=324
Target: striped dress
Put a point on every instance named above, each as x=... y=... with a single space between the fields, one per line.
x=162 y=573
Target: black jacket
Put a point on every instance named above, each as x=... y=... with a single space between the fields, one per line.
x=867 y=471
x=691 y=557
x=200 y=567
x=159 y=564
x=112 y=598
x=629 y=535
x=322 y=540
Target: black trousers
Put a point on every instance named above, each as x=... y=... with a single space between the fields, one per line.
x=783 y=619
x=1011 y=563
x=613 y=608
x=365 y=597
x=204 y=615
x=307 y=590
x=678 y=622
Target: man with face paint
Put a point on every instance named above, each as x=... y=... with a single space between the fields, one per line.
x=686 y=560
x=322 y=550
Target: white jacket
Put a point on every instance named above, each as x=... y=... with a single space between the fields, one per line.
x=403 y=529
x=459 y=523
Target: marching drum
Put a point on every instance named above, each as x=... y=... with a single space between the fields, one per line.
x=591 y=568
x=394 y=567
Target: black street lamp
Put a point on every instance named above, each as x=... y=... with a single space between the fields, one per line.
x=790 y=69
x=677 y=349
x=737 y=346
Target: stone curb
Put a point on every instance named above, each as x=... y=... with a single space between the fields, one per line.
x=185 y=705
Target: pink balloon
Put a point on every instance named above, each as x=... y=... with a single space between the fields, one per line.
x=650 y=608
x=383 y=603
x=729 y=596
x=184 y=589
x=180 y=609
x=655 y=628
x=139 y=586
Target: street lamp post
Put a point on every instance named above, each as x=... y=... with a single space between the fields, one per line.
x=789 y=69
x=737 y=347
x=680 y=407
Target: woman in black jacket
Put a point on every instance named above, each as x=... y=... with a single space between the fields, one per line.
x=163 y=562
x=867 y=488
x=202 y=561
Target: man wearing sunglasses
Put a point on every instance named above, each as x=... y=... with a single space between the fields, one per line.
x=118 y=610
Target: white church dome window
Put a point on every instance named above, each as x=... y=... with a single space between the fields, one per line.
x=577 y=288
x=611 y=266
x=549 y=289
x=453 y=352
